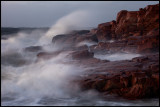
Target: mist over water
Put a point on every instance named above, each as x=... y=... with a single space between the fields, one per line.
x=28 y=81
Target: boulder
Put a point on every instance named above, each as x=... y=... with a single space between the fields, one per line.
x=82 y=54
x=47 y=55
x=33 y=49
x=104 y=32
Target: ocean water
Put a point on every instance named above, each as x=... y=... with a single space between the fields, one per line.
x=26 y=81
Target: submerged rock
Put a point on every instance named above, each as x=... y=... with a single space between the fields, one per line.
x=47 y=55
x=33 y=49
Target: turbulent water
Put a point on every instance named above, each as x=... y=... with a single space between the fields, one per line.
x=28 y=81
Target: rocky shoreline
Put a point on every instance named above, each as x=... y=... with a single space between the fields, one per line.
x=132 y=32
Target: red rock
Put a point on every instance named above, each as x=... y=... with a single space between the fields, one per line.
x=138 y=78
x=126 y=22
x=47 y=55
x=113 y=83
x=156 y=78
x=140 y=59
x=82 y=54
x=125 y=78
x=104 y=32
x=144 y=22
x=148 y=44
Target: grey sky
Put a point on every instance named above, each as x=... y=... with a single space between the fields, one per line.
x=46 y=13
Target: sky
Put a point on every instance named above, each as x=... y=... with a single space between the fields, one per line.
x=47 y=13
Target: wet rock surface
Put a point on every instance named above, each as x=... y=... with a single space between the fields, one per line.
x=33 y=49
x=136 y=78
x=134 y=32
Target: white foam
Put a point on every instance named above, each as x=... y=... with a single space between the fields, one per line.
x=20 y=40
x=87 y=43
x=37 y=80
x=116 y=56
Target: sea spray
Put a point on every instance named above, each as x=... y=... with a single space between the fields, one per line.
x=46 y=78
x=73 y=21
x=20 y=40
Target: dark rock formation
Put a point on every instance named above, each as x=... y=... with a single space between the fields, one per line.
x=82 y=54
x=133 y=31
x=47 y=55
x=33 y=49
x=71 y=41
x=80 y=32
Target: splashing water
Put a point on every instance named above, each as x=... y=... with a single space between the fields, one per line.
x=66 y=24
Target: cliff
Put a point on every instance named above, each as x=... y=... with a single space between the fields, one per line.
x=139 y=27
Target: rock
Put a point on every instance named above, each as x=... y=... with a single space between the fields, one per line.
x=86 y=37
x=80 y=48
x=148 y=44
x=93 y=31
x=47 y=55
x=128 y=79
x=13 y=59
x=121 y=15
x=63 y=41
x=142 y=25
x=33 y=49
x=104 y=32
x=137 y=21
x=126 y=22
x=80 y=32
x=61 y=37
x=140 y=59
x=82 y=54
x=156 y=78
x=71 y=41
